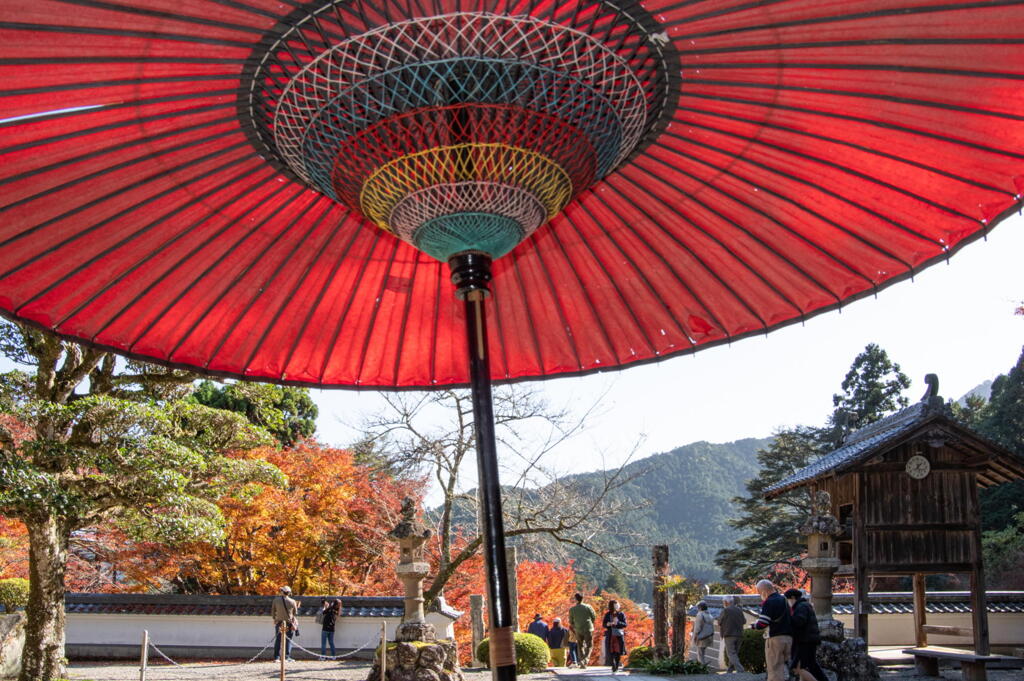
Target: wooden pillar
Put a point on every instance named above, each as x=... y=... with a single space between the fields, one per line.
x=979 y=603
x=659 y=557
x=861 y=607
x=476 y=623
x=679 y=607
x=512 y=563
x=920 y=616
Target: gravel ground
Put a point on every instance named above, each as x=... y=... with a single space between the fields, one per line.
x=357 y=671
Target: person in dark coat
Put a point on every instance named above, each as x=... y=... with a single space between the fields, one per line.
x=614 y=623
x=806 y=637
x=538 y=627
x=558 y=638
x=328 y=623
x=776 y=618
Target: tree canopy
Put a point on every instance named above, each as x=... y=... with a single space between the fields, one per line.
x=286 y=412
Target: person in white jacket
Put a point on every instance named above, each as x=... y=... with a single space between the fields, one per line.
x=703 y=631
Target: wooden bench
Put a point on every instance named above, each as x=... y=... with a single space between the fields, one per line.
x=926 y=661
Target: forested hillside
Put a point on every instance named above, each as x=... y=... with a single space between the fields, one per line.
x=685 y=497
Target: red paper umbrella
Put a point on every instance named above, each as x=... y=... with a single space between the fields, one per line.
x=270 y=189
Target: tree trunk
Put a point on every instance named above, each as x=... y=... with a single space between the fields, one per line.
x=43 y=658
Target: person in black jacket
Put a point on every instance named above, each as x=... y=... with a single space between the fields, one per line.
x=805 y=637
x=775 y=617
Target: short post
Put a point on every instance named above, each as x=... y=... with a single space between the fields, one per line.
x=512 y=562
x=659 y=599
x=679 y=606
x=383 y=650
x=144 y=655
x=282 y=629
x=476 y=619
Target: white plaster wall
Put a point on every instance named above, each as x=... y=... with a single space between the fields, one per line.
x=225 y=630
x=1005 y=629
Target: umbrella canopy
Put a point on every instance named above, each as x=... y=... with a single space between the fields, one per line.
x=198 y=182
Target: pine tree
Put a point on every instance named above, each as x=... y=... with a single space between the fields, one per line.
x=872 y=389
x=1002 y=420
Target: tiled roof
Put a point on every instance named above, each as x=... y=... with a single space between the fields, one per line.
x=863 y=442
x=251 y=606
x=894 y=603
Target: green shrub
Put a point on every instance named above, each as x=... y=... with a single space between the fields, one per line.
x=752 y=651
x=676 y=665
x=13 y=593
x=641 y=656
x=532 y=653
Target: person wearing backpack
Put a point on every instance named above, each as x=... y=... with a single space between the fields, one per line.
x=703 y=631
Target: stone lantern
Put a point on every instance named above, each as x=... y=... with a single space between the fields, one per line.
x=411 y=534
x=822 y=561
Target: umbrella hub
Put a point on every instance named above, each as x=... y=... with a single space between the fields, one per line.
x=463 y=131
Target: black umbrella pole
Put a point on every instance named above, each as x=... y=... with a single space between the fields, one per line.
x=471 y=274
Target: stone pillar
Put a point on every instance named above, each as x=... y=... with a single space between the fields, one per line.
x=476 y=620
x=679 y=607
x=411 y=569
x=512 y=564
x=659 y=601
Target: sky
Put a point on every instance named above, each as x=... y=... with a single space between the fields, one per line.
x=955 y=320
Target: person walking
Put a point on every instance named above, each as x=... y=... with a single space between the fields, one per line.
x=614 y=623
x=703 y=631
x=538 y=627
x=328 y=623
x=775 y=617
x=572 y=643
x=730 y=627
x=284 y=609
x=806 y=637
x=558 y=636
x=581 y=621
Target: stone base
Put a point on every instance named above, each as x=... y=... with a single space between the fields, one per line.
x=415 y=631
x=848 y=658
x=418 y=661
x=12 y=642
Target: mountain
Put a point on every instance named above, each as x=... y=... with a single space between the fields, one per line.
x=688 y=495
x=982 y=390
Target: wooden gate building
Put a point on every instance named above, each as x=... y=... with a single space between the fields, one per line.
x=905 y=490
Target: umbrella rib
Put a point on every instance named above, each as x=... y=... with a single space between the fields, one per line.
x=111 y=59
x=149 y=287
x=99 y=200
x=924 y=103
x=127 y=123
x=808 y=183
x=901 y=11
x=725 y=248
x=122 y=33
x=669 y=265
x=172 y=16
x=153 y=253
x=832 y=164
x=355 y=232
x=851 y=145
x=108 y=150
x=811 y=44
x=858 y=119
x=539 y=252
x=376 y=310
x=86 y=85
x=622 y=296
x=896 y=68
x=299 y=282
x=759 y=240
x=499 y=327
x=404 y=324
x=377 y=233
x=281 y=263
x=787 y=199
x=518 y=276
x=707 y=268
x=586 y=292
x=196 y=279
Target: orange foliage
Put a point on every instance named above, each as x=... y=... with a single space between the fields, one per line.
x=325 y=534
x=13 y=549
